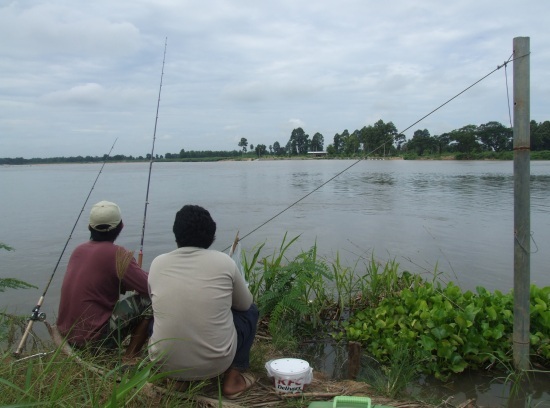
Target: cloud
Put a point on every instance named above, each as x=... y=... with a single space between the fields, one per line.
x=81 y=94
x=48 y=29
x=77 y=71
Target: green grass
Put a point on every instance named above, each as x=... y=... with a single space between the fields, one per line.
x=393 y=379
x=306 y=298
x=62 y=381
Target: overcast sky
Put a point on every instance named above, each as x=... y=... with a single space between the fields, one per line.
x=76 y=75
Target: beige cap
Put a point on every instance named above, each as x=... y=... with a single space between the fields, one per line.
x=105 y=214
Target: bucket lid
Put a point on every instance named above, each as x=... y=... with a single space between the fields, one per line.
x=289 y=366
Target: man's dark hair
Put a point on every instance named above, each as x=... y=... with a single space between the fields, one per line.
x=194 y=227
x=101 y=236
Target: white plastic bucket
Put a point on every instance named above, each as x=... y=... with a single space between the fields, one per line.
x=290 y=374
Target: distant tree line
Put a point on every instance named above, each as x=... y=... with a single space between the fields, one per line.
x=379 y=139
x=182 y=155
x=62 y=159
x=383 y=139
x=488 y=137
x=193 y=154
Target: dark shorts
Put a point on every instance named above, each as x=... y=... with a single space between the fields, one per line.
x=245 y=323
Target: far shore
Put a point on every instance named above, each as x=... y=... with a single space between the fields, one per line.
x=485 y=156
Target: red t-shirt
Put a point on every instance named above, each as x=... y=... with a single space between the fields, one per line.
x=91 y=288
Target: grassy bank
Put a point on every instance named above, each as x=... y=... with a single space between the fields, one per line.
x=408 y=325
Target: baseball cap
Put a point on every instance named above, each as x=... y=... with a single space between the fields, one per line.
x=105 y=216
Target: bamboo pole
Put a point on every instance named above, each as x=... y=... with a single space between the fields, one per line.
x=522 y=224
x=354 y=359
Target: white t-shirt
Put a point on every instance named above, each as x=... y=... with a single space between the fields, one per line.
x=192 y=292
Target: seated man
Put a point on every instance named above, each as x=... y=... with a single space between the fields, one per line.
x=204 y=318
x=98 y=271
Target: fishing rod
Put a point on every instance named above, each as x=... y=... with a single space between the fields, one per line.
x=36 y=315
x=140 y=255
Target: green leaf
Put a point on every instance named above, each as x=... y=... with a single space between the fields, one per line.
x=461 y=322
x=458 y=364
x=427 y=343
x=380 y=324
x=445 y=349
x=491 y=312
x=457 y=339
x=470 y=312
x=440 y=332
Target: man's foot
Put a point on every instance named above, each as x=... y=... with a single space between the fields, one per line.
x=235 y=383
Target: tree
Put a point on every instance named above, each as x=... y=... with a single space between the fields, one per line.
x=466 y=139
x=260 y=150
x=350 y=143
x=343 y=141
x=495 y=136
x=422 y=142
x=251 y=147
x=337 y=144
x=243 y=143
x=299 y=141
x=317 y=142
x=277 y=149
x=378 y=138
x=535 y=141
x=540 y=135
x=400 y=139
x=443 y=141
x=544 y=134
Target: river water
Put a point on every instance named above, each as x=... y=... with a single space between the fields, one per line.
x=456 y=216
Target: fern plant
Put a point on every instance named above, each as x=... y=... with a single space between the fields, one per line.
x=12 y=283
x=294 y=294
x=8 y=323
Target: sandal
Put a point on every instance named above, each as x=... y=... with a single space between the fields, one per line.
x=249 y=380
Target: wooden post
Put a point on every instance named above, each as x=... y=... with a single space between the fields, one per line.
x=522 y=224
x=354 y=359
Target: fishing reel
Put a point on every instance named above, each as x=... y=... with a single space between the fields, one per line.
x=37 y=315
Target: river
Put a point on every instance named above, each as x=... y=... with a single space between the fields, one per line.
x=455 y=217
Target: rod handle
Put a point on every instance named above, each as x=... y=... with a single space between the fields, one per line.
x=140 y=258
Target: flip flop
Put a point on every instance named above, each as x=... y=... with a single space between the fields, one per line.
x=249 y=380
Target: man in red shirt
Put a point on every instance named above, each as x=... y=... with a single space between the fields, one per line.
x=98 y=272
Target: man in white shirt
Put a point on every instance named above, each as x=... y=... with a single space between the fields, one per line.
x=204 y=317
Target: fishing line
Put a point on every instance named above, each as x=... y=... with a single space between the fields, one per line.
x=140 y=255
x=380 y=146
x=460 y=93
x=36 y=314
x=507 y=91
x=304 y=197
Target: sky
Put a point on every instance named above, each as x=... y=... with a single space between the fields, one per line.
x=77 y=75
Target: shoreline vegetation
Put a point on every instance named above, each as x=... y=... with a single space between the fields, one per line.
x=401 y=327
x=489 y=141
x=500 y=156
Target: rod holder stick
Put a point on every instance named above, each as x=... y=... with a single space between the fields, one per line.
x=522 y=222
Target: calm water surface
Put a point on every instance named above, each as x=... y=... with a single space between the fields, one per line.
x=453 y=215
x=457 y=216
